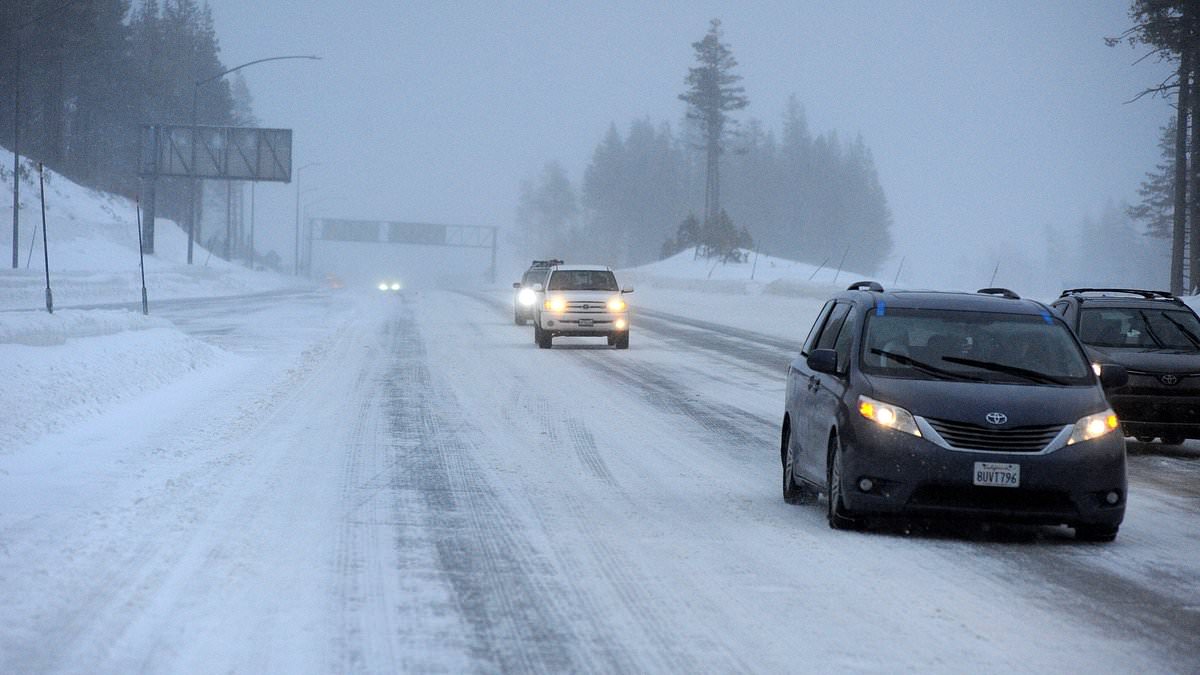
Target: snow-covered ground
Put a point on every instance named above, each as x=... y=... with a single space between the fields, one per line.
x=315 y=480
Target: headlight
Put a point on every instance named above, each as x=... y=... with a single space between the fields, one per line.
x=1097 y=369
x=383 y=287
x=887 y=415
x=395 y=285
x=527 y=297
x=1094 y=426
x=556 y=304
x=616 y=304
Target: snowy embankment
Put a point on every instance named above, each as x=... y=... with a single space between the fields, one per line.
x=68 y=365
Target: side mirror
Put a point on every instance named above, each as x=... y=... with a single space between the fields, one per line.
x=516 y=284
x=1113 y=376
x=627 y=289
x=538 y=288
x=823 y=361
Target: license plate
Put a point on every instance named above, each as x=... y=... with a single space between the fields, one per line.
x=997 y=474
x=586 y=323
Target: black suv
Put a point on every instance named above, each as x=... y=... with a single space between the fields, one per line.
x=526 y=297
x=1156 y=337
x=979 y=405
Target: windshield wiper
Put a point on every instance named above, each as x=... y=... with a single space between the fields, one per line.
x=1149 y=330
x=1186 y=333
x=925 y=367
x=1031 y=375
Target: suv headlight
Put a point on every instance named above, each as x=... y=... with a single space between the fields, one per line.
x=1094 y=426
x=887 y=415
x=527 y=297
x=616 y=304
x=556 y=304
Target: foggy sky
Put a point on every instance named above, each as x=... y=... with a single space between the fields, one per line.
x=988 y=121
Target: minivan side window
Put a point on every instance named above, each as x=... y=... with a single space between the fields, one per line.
x=810 y=342
x=833 y=326
x=845 y=340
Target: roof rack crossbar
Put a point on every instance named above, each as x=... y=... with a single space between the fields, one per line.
x=1003 y=292
x=1148 y=294
x=866 y=286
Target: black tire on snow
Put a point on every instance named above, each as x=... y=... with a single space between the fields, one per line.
x=1096 y=533
x=793 y=492
x=622 y=341
x=839 y=517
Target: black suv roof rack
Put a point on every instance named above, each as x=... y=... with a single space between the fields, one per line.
x=866 y=286
x=1149 y=295
x=1002 y=292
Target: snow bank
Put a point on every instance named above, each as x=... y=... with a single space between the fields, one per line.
x=89 y=360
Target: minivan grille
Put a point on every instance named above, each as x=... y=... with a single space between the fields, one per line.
x=975 y=437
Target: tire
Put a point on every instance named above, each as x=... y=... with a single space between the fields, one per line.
x=1096 y=533
x=1172 y=439
x=1144 y=439
x=622 y=341
x=612 y=339
x=839 y=517
x=793 y=492
x=543 y=337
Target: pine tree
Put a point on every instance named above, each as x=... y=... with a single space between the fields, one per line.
x=711 y=95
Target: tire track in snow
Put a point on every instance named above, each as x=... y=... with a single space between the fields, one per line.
x=520 y=616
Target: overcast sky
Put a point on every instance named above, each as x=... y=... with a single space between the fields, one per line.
x=988 y=120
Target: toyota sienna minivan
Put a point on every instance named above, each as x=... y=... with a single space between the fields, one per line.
x=952 y=405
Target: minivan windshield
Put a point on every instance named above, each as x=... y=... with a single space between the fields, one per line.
x=973 y=347
x=1140 y=328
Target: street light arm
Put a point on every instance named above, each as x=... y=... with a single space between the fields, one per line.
x=273 y=58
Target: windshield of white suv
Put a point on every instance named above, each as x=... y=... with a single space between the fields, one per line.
x=583 y=280
x=1140 y=327
x=972 y=346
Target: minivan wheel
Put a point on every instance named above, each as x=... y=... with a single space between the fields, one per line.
x=1096 y=533
x=839 y=517
x=793 y=492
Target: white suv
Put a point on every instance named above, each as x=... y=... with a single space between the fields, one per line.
x=582 y=300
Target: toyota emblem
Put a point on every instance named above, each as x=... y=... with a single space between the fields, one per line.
x=1168 y=379
x=996 y=418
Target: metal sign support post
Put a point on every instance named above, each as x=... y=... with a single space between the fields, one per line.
x=45 y=250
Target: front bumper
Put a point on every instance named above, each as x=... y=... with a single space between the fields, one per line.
x=1162 y=413
x=584 y=324
x=913 y=476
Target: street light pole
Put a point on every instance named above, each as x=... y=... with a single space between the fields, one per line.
x=296 y=253
x=195 y=179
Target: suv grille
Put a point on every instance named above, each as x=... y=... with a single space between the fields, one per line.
x=975 y=437
x=586 y=306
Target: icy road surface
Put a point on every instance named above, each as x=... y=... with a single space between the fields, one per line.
x=406 y=483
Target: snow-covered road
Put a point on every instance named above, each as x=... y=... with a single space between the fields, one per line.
x=406 y=483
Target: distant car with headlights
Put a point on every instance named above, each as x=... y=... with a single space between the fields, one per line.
x=952 y=405
x=525 y=296
x=581 y=301
x=1156 y=337
x=390 y=285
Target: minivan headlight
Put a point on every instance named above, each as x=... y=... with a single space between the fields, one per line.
x=1094 y=426
x=887 y=415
